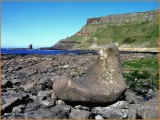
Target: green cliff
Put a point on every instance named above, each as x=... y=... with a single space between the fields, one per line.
x=130 y=30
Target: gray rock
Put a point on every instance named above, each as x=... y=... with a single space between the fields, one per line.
x=113 y=113
x=48 y=103
x=6 y=84
x=97 y=117
x=77 y=113
x=46 y=82
x=35 y=90
x=42 y=95
x=150 y=109
x=132 y=112
x=60 y=102
x=131 y=97
x=27 y=87
x=82 y=107
x=120 y=104
x=12 y=100
x=31 y=106
x=102 y=83
x=53 y=95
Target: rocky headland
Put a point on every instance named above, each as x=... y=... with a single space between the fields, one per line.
x=130 y=30
x=28 y=81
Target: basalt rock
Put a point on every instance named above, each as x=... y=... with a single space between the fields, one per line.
x=102 y=83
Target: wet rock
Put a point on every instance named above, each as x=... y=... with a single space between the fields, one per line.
x=46 y=83
x=77 y=113
x=150 y=109
x=131 y=97
x=102 y=83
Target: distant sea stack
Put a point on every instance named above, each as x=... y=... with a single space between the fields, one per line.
x=130 y=30
x=30 y=46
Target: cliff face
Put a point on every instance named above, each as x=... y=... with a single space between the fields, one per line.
x=126 y=30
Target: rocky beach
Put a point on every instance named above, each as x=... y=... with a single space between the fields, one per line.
x=27 y=91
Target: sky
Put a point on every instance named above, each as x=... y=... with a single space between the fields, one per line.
x=43 y=24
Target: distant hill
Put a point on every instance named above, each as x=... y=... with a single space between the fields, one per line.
x=132 y=30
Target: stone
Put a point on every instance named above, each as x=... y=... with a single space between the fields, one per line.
x=31 y=106
x=53 y=95
x=46 y=82
x=60 y=102
x=131 y=97
x=12 y=100
x=61 y=111
x=6 y=84
x=113 y=113
x=102 y=83
x=77 y=113
x=120 y=104
x=132 y=112
x=42 y=95
x=149 y=110
x=28 y=87
x=47 y=103
x=35 y=90
x=97 y=117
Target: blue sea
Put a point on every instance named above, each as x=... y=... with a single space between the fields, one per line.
x=46 y=52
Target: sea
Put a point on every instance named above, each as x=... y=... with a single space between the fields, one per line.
x=46 y=52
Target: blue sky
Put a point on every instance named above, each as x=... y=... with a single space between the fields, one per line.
x=45 y=23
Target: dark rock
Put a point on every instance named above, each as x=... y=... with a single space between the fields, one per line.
x=150 y=109
x=77 y=113
x=30 y=46
x=102 y=83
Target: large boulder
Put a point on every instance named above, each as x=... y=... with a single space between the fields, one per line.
x=102 y=83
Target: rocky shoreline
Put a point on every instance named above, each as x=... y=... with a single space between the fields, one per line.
x=27 y=89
